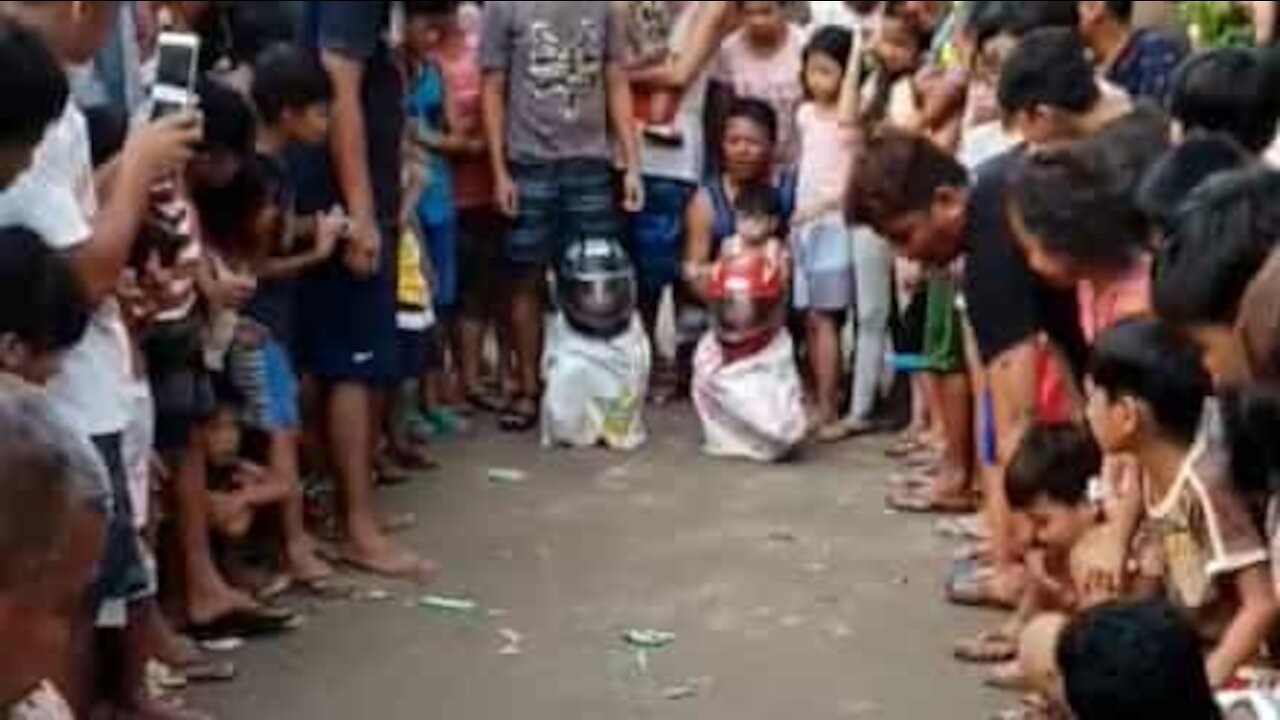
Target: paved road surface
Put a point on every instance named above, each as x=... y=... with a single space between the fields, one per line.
x=793 y=595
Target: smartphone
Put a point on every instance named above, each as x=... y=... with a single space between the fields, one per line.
x=177 y=67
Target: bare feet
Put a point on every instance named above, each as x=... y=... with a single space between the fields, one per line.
x=384 y=558
x=304 y=564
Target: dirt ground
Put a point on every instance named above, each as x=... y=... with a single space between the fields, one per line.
x=790 y=591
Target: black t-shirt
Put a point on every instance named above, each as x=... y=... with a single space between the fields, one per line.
x=274 y=302
x=357 y=30
x=1008 y=304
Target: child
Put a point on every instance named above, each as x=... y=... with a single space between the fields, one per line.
x=823 y=246
x=554 y=88
x=762 y=60
x=650 y=24
x=746 y=386
x=598 y=358
x=1146 y=397
x=888 y=90
x=46 y=310
x=1133 y=661
x=31 y=73
x=758 y=227
x=433 y=134
x=239 y=489
x=1226 y=90
x=1074 y=213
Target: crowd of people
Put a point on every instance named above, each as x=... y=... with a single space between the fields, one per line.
x=1034 y=241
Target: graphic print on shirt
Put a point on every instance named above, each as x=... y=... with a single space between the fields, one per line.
x=650 y=29
x=565 y=70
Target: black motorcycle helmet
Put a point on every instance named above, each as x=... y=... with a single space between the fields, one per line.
x=596 y=287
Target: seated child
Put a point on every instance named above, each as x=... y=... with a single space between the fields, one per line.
x=1147 y=395
x=597 y=360
x=759 y=227
x=650 y=24
x=238 y=488
x=1133 y=661
x=746 y=384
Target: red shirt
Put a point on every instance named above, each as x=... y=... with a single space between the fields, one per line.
x=459 y=61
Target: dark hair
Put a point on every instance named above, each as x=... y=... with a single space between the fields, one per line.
x=252 y=27
x=832 y=41
x=42 y=300
x=36 y=90
x=228 y=119
x=1121 y=10
x=1173 y=177
x=1231 y=90
x=1080 y=203
x=756 y=111
x=1055 y=462
x=286 y=77
x=896 y=172
x=430 y=8
x=757 y=200
x=228 y=214
x=1220 y=239
x=1135 y=661
x=1146 y=360
x=989 y=20
x=1050 y=67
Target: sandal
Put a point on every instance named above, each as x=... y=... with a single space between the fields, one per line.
x=481 y=401
x=521 y=416
x=979 y=590
x=987 y=648
x=246 y=625
x=930 y=501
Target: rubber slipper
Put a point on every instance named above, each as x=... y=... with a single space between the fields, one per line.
x=987 y=648
x=246 y=625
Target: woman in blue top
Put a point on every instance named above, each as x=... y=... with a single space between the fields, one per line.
x=749 y=137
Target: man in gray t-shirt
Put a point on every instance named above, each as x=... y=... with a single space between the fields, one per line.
x=556 y=96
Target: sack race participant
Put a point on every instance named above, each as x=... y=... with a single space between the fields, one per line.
x=597 y=357
x=746 y=385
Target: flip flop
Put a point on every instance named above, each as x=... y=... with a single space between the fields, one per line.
x=246 y=625
x=986 y=648
x=914 y=501
x=424 y=572
x=481 y=401
x=208 y=672
x=976 y=591
x=516 y=420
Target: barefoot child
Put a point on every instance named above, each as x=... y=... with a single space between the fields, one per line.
x=597 y=361
x=1146 y=397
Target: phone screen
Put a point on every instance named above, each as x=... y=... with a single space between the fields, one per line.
x=176 y=64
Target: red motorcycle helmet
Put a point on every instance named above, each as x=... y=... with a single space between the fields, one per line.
x=748 y=295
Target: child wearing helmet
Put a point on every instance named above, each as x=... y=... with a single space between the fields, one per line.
x=597 y=358
x=746 y=384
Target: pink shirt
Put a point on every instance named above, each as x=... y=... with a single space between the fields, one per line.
x=459 y=62
x=774 y=78
x=1104 y=307
x=825 y=156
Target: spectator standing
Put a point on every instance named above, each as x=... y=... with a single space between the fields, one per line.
x=556 y=97
x=347 y=332
x=763 y=60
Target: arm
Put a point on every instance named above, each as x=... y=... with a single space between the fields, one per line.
x=1264 y=22
x=152 y=152
x=347 y=147
x=495 y=131
x=711 y=24
x=1249 y=629
x=454 y=141
x=697 y=255
x=851 y=88
x=622 y=111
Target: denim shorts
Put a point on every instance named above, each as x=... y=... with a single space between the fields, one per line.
x=560 y=201
x=824 y=278
x=657 y=234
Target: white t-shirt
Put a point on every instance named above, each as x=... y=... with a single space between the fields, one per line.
x=838 y=13
x=685 y=162
x=56 y=199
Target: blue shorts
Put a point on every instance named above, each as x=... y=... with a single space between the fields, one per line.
x=824 y=272
x=442 y=248
x=657 y=235
x=560 y=202
x=264 y=376
x=123 y=573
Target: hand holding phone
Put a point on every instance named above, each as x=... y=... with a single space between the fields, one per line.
x=177 y=69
